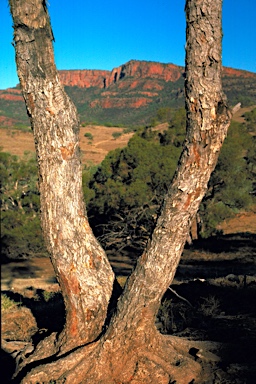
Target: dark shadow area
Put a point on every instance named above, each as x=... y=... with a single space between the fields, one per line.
x=219 y=256
x=213 y=269
x=116 y=293
x=18 y=269
x=51 y=280
x=8 y=367
x=223 y=314
x=123 y=262
x=226 y=243
x=49 y=311
x=23 y=271
x=120 y=270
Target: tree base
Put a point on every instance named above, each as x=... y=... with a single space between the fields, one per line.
x=162 y=360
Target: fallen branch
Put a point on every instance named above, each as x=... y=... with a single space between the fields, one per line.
x=180 y=297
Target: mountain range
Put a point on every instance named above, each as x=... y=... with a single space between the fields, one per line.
x=129 y=95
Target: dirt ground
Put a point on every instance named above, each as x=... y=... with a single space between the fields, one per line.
x=212 y=301
x=93 y=150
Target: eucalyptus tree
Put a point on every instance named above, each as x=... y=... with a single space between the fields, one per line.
x=130 y=349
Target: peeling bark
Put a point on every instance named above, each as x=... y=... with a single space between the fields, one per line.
x=131 y=350
x=208 y=118
x=82 y=268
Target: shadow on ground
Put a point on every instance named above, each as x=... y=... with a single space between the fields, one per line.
x=212 y=299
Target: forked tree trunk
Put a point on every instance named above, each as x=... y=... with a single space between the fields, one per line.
x=131 y=350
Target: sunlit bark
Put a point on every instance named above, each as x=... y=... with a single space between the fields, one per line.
x=208 y=118
x=81 y=266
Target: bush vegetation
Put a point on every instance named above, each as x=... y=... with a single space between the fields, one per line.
x=88 y=135
x=116 y=134
x=7 y=304
x=20 y=228
x=125 y=193
x=128 y=187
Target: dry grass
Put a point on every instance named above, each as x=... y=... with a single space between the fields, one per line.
x=16 y=142
x=93 y=151
x=105 y=139
x=238 y=116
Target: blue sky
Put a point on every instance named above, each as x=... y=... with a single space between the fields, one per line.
x=105 y=34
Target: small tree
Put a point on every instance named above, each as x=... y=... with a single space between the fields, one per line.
x=88 y=135
x=131 y=349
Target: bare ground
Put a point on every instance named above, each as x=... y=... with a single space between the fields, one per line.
x=93 y=150
x=211 y=302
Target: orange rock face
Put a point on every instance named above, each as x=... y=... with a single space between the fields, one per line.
x=11 y=94
x=137 y=74
x=136 y=69
x=84 y=78
x=237 y=72
x=131 y=102
x=11 y=97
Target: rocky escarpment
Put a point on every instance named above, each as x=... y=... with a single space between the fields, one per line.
x=85 y=78
x=136 y=69
x=130 y=94
x=231 y=72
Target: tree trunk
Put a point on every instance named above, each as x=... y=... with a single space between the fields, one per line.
x=131 y=350
x=81 y=266
x=208 y=118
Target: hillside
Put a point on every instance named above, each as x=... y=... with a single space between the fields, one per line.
x=129 y=95
x=95 y=142
x=104 y=139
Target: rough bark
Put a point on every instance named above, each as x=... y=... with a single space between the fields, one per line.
x=81 y=266
x=131 y=350
x=208 y=118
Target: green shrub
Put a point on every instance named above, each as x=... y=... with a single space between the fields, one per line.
x=48 y=295
x=116 y=134
x=7 y=303
x=88 y=135
x=21 y=234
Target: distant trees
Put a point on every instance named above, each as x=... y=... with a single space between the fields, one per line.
x=21 y=235
x=163 y=114
x=129 y=186
x=231 y=184
x=250 y=118
x=124 y=194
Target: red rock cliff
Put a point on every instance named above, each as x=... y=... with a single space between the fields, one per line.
x=137 y=69
x=231 y=72
x=85 y=78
